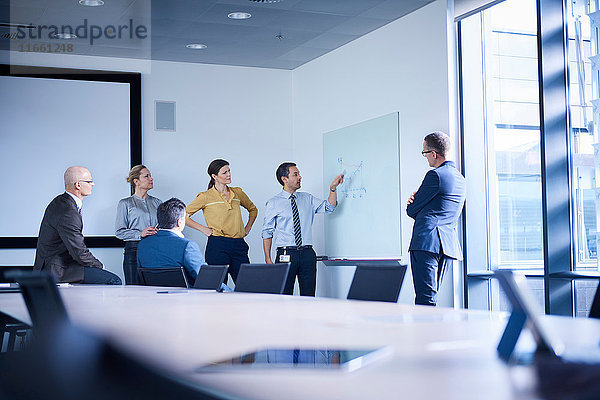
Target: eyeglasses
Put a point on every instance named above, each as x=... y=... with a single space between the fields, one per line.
x=83 y=180
x=425 y=152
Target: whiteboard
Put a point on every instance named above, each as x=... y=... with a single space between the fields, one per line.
x=49 y=125
x=366 y=222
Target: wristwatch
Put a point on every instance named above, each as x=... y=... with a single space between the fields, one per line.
x=331 y=190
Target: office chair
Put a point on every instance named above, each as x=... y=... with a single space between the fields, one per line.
x=17 y=331
x=377 y=283
x=262 y=278
x=64 y=362
x=595 y=310
x=211 y=277
x=43 y=301
x=172 y=277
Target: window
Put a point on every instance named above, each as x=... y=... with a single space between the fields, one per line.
x=585 y=175
x=582 y=134
x=533 y=198
x=501 y=134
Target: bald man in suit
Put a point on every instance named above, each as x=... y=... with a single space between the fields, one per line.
x=61 y=250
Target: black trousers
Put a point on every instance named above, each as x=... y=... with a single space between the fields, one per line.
x=428 y=270
x=304 y=266
x=130 y=264
x=222 y=250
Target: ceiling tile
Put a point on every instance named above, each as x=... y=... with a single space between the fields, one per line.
x=186 y=10
x=329 y=40
x=25 y=15
x=338 y=7
x=302 y=54
x=358 y=26
x=315 y=22
x=394 y=9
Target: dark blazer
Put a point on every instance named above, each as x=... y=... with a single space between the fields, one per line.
x=436 y=209
x=60 y=247
x=165 y=249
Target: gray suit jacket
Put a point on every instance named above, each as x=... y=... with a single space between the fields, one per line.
x=60 y=247
x=436 y=209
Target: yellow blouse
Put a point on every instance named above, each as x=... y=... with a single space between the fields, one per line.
x=223 y=216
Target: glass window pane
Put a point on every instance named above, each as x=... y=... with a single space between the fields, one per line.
x=584 y=295
x=536 y=286
x=501 y=128
x=583 y=84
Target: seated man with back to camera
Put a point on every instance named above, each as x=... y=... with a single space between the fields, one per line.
x=168 y=247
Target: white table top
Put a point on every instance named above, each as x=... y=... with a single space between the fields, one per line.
x=437 y=353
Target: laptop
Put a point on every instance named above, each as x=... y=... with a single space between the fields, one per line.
x=525 y=312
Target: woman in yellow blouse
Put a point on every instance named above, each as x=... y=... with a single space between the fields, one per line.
x=225 y=230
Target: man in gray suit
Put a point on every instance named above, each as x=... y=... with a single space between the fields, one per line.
x=435 y=207
x=60 y=247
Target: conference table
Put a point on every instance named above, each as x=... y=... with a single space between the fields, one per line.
x=435 y=353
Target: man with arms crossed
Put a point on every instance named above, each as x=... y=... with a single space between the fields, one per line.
x=289 y=215
x=435 y=207
x=60 y=247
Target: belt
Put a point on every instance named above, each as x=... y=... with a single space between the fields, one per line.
x=306 y=246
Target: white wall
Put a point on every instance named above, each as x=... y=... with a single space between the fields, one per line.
x=403 y=67
x=241 y=114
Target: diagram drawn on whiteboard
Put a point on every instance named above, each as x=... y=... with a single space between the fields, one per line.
x=353 y=186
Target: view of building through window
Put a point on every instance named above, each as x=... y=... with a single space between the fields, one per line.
x=501 y=133
x=582 y=48
x=510 y=30
x=581 y=93
x=501 y=119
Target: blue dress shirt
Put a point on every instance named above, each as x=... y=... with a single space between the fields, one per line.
x=279 y=221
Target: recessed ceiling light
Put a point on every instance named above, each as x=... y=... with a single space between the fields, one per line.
x=91 y=3
x=65 y=36
x=239 y=15
x=196 y=46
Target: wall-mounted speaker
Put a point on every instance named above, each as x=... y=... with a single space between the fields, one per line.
x=164 y=116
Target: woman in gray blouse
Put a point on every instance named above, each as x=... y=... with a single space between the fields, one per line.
x=136 y=218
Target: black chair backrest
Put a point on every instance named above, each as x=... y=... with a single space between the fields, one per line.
x=172 y=277
x=211 y=277
x=377 y=282
x=43 y=301
x=595 y=310
x=262 y=278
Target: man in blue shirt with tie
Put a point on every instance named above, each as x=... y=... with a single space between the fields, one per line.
x=289 y=217
x=435 y=207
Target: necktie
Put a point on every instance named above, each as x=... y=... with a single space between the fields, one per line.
x=297 y=231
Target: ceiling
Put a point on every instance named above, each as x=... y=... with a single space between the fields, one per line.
x=280 y=35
